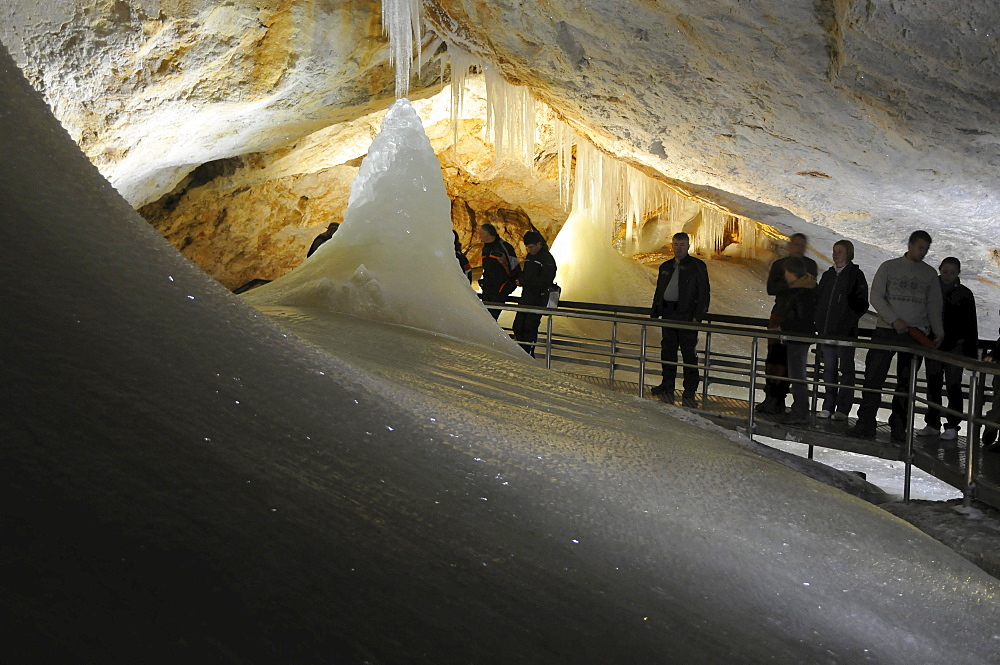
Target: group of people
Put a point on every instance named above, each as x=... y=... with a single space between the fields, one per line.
x=915 y=305
x=502 y=273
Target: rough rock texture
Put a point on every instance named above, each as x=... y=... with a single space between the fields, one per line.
x=867 y=117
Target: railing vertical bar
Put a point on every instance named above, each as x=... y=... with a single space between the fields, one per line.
x=548 y=343
x=708 y=360
x=911 y=412
x=642 y=361
x=752 y=397
x=971 y=440
x=614 y=349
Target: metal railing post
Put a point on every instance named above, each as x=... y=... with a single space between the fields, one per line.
x=548 y=344
x=642 y=361
x=752 y=397
x=817 y=377
x=614 y=349
x=708 y=359
x=971 y=441
x=911 y=412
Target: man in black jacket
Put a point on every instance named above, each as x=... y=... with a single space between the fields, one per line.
x=776 y=363
x=843 y=300
x=682 y=294
x=961 y=336
x=537 y=274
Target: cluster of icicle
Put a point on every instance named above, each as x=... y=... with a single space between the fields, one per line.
x=622 y=196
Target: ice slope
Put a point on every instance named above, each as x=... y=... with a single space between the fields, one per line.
x=185 y=482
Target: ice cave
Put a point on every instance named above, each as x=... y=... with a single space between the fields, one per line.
x=353 y=463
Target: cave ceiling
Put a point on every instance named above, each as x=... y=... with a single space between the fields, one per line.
x=870 y=118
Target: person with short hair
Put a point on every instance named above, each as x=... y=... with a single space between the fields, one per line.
x=799 y=319
x=500 y=266
x=961 y=337
x=537 y=275
x=906 y=294
x=776 y=362
x=682 y=293
x=842 y=299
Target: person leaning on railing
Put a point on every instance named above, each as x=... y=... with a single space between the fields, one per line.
x=842 y=301
x=776 y=362
x=799 y=319
x=961 y=334
x=906 y=294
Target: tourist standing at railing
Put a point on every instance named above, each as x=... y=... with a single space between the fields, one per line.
x=842 y=301
x=682 y=294
x=799 y=319
x=537 y=275
x=776 y=362
x=906 y=294
x=961 y=335
x=500 y=266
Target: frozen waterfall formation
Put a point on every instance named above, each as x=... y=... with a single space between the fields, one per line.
x=185 y=480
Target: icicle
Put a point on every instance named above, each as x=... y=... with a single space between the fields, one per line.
x=401 y=22
x=565 y=139
x=461 y=62
x=510 y=118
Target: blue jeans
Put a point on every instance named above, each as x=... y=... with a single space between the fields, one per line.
x=950 y=375
x=877 y=364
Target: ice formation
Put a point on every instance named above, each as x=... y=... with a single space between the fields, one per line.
x=392 y=259
x=401 y=22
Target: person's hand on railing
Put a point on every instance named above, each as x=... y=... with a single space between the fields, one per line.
x=901 y=326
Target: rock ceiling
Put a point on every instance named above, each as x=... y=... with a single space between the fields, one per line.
x=863 y=117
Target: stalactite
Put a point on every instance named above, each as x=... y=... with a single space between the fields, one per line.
x=510 y=118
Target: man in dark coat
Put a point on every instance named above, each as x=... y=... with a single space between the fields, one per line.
x=500 y=266
x=842 y=301
x=961 y=335
x=537 y=274
x=776 y=362
x=799 y=319
x=682 y=294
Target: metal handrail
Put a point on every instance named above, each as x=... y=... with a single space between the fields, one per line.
x=616 y=349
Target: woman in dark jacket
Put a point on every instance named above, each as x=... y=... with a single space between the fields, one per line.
x=842 y=301
x=537 y=274
x=500 y=267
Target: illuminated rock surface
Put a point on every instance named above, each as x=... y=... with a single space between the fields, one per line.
x=871 y=119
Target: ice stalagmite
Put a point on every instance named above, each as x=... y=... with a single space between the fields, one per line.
x=392 y=259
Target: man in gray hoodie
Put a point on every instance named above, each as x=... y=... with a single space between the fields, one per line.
x=906 y=294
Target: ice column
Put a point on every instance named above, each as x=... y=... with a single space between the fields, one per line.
x=393 y=258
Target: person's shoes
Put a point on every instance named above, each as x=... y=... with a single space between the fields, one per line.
x=949 y=434
x=767 y=406
x=793 y=418
x=928 y=430
x=659 y=390
x=990 y=436
x=839 y=416
x=823 y=414
x=860 y=431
